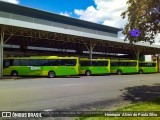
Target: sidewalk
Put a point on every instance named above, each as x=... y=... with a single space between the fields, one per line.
x=9 y=78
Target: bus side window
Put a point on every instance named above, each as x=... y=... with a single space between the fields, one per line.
x=133 y=64
x=24 y=62
x=33 y=62
x=55 y=62
x=95 y=63
x=153 y=64
x=43 y=62
x=16 y=62
x=82 y=63
x=105 y=63
x=149 y=64
x=71 y=62
x=114 y=64
x=85 y=63
x=6 y=63
x=120 y=63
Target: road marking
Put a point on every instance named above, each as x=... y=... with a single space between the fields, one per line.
x=69 y=85
x=39 y=78
x=132 y=80
x=48 y=110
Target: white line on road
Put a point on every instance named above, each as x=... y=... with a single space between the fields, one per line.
x=48 y=110
x=69 y=85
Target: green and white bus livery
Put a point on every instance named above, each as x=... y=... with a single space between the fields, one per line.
x=50 y=66
x=148 y=67
x=124 y=66
x=94 y=66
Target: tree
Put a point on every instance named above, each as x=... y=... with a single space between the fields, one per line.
x=145 y=16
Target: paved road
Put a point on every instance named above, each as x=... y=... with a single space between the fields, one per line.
x=84 y=93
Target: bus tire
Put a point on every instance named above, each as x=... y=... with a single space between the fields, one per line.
x=119 y=72
x=51 y=74
x=140 y=71
x=88 y=73
x=14 y=73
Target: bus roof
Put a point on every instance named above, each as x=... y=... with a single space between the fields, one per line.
x=147 y=61
x=94 y=59
x=124 y=60
x=42 y=57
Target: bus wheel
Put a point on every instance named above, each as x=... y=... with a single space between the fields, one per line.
x=14 y=73
x=51 y=74
x=140 y=71
x=119 y=72
x=88 y=73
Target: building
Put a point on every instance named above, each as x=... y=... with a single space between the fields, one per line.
x=27 y=31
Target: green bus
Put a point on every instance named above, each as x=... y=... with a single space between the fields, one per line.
x=50 y=66
x=124 y=66
x=94 y=66
x=148 y=67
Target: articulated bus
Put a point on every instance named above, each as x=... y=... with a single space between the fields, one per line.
x=148 y=67
x=50 y=66
x=94 y=66
x=124 y=66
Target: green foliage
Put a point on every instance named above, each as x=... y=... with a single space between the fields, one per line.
x=153 y=105
x=141 y=15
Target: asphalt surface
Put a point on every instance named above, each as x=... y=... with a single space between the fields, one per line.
x=84 y=93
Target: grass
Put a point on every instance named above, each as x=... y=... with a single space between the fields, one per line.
x=153 y=105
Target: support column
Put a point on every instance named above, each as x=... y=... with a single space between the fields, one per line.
x=137 y=53
x=90 y=46
x=158 y=63
x=90 y=51
x=1 y=52
x=141 y=57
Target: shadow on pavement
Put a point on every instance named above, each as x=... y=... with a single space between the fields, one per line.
x=141 y=93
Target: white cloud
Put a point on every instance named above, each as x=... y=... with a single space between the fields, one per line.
x=90 y=14
x=106 y=12
x=66 y=13
x=11 y=1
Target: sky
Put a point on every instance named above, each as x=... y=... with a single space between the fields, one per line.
x=106 y=12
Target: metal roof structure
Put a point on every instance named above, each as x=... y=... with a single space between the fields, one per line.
x=28 y=30
x=26 y=26
x=39 y=14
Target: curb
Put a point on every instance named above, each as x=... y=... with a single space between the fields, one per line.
x=4 y=78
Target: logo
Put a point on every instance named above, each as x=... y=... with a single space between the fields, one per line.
x=34 y=68
x=6 y=114
x=20 y=114
x=135 y=33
